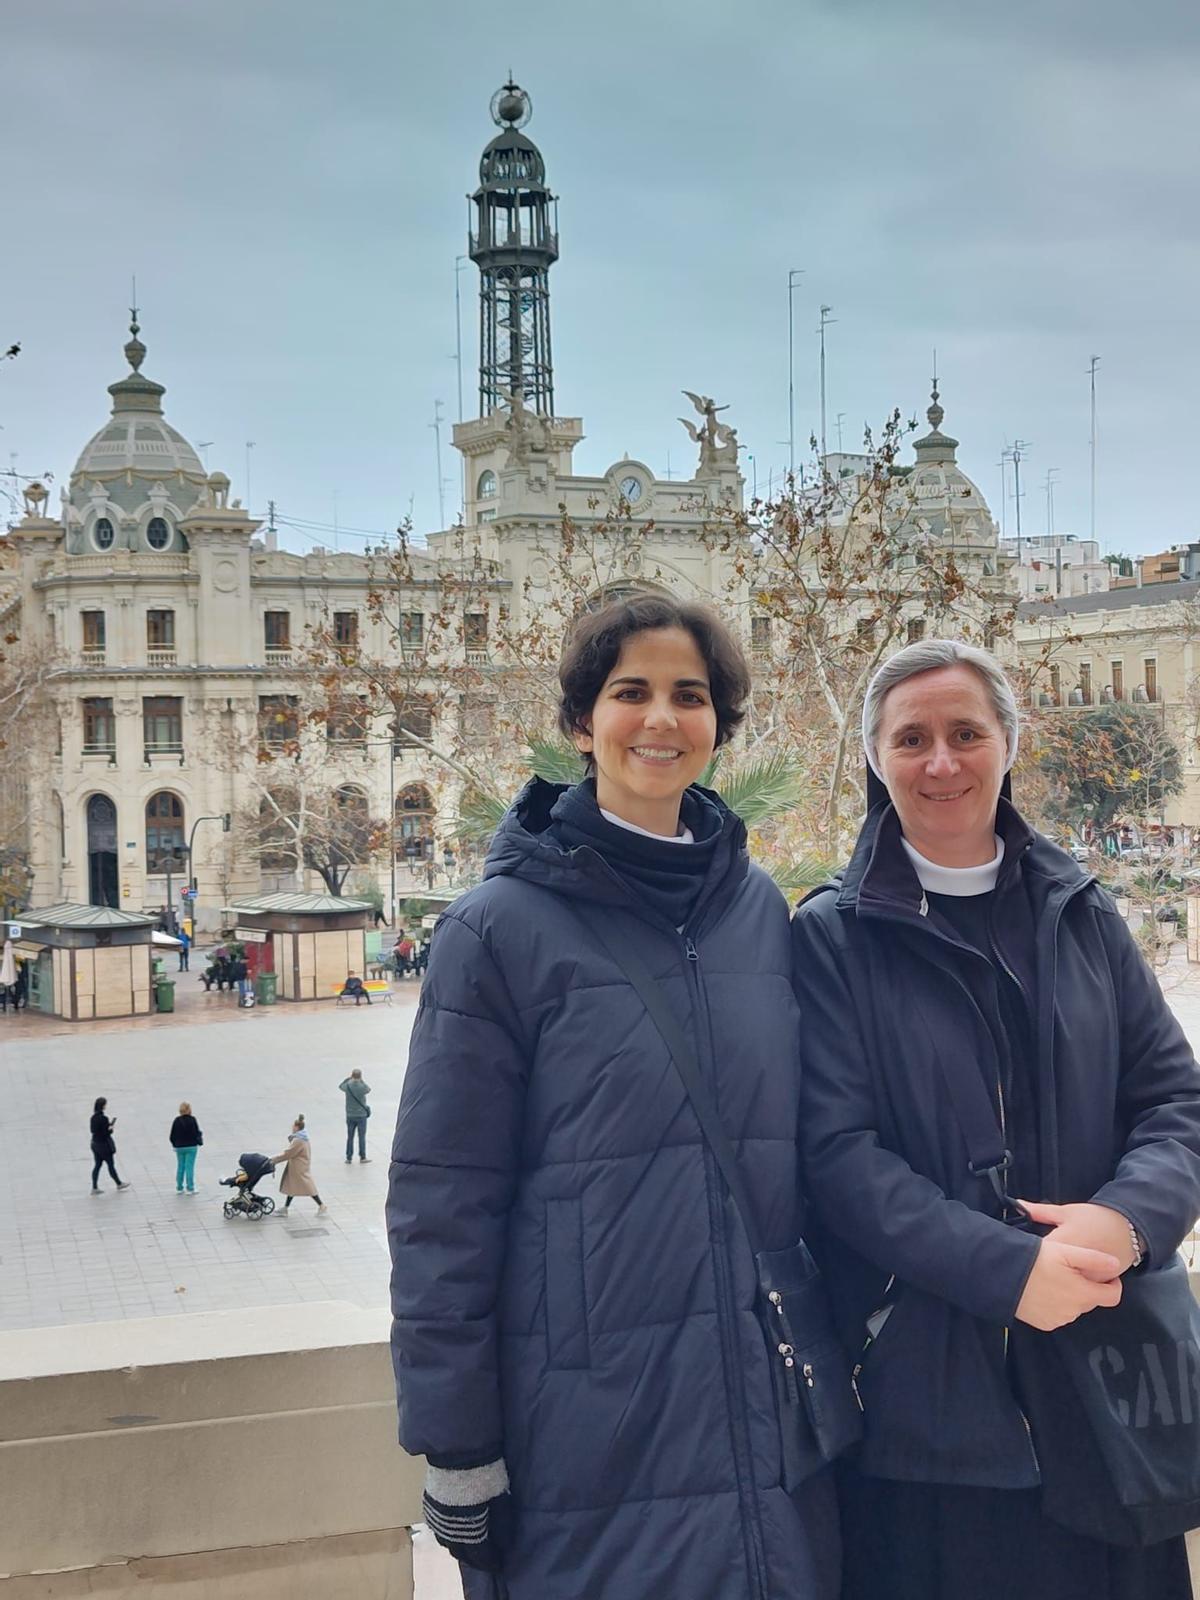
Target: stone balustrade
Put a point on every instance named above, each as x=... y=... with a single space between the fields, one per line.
x=242 y=1455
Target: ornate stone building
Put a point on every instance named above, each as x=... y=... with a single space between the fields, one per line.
x=177 y=634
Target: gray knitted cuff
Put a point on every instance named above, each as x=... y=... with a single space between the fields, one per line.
x=466 y=1486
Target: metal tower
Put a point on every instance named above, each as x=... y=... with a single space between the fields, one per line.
x=513 y=240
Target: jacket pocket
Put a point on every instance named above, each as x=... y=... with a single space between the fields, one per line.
x=819 y=1413
x=566 y=1301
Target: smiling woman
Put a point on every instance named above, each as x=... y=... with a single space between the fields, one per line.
x=576 y=1331
x=981 y=1037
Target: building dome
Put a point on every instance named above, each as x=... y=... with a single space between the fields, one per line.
x=511 y=161
x=137 y=477
x=946 y=503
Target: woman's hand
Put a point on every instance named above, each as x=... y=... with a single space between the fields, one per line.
x=1067 y=1280
x=1094 y=1227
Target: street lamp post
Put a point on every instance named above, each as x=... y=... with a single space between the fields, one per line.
x=794 y=273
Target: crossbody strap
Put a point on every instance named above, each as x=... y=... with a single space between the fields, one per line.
x=688 y=1068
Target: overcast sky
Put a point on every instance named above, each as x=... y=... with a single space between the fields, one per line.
x=1016 y=184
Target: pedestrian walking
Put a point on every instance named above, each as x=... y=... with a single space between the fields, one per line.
x=297 y=1177
x=404 y=956
x=186 y=1138
x=104 y=1146
x=578 y=1330
x=185 y=945
x=8 y=977
x=981 y=1034
x=357 y=1112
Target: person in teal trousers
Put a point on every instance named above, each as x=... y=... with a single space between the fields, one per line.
x=186 y=1139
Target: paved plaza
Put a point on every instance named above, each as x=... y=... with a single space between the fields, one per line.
x=66 y=1257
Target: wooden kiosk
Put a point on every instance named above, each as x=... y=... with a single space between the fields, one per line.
x=91 y=961
x=314 y=940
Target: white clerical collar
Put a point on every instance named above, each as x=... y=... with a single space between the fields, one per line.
x=686 y=837
x=961 y=881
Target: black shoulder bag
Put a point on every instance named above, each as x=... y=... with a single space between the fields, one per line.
x=1112 y=1399
x=819 y=1416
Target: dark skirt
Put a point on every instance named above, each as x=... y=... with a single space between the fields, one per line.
x=921 y=1541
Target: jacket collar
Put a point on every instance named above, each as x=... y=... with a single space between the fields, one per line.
x=881 y=881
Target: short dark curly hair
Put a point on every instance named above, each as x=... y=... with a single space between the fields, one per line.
x=593 y=647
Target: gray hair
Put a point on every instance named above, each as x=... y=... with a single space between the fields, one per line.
x=927 y=655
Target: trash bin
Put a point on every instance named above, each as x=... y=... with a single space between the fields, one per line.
x=164 y=994
x=265 y=987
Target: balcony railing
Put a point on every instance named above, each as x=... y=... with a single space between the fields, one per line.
x=92 y=655
x=164 y=747
x=477 y=656
x=99 y=747
x=279 y=655
x=161 y=656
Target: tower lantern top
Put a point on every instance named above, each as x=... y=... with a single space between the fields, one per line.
x=514 y=242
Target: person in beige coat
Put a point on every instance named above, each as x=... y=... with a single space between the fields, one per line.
x=297 y=1177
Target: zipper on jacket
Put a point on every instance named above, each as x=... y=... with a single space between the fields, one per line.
x=743 y=1460
x=871 y=1338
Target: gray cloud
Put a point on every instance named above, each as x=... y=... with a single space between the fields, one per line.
x=1016 y=185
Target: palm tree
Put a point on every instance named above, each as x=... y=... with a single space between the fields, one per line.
x=758 y=789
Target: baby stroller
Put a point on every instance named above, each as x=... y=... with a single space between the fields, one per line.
x=252 y=1168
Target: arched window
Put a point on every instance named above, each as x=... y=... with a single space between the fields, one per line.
x=165 y=842
x=102 y=533
x=413 y=824
x=158 y=534
x=102 y=851
x=352 y=824
x=487 y=485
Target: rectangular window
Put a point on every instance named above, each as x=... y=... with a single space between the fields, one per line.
x=760 y=635
x=93 y=630
x=415 y=717
x=479 y=719
x=345 y=630
x=1150 y=678
x=1056 y=685
x=1085 y=682
x=347 y=721
x=277 y=630
x=160 y=630
x=914 y=630
x=412 y=629
x=162 y=722
x=864 y=632
x=278 y=718
x=1117 y=679
x=99 y=728
x=475 y=630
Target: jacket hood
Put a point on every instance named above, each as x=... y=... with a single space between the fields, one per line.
x=881 y=877
x=524 y=846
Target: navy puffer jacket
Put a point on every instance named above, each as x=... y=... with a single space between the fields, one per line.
x=572 y=1286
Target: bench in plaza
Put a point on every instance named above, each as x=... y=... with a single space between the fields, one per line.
x=377 y=988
